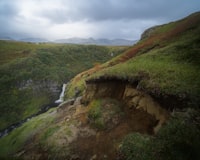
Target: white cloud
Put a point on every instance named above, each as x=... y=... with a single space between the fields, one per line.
x=73 y=29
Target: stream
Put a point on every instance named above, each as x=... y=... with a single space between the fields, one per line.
x=43 y=109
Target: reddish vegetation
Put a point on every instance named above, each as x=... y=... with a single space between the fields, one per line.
x=88 y=72
x=156 y=39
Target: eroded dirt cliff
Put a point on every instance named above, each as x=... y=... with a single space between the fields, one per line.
x=129 y=95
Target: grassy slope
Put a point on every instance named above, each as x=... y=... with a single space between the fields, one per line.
x=171 y=70
x=22 y=62
x=16 y=140
x=165 y=62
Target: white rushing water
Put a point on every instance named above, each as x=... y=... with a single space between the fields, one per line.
x=18 y=124
x=61 y=98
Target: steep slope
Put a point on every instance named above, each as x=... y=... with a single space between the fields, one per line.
x=158 y=75
x=164 y=63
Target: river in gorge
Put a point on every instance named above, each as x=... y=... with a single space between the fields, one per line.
x=43 y=109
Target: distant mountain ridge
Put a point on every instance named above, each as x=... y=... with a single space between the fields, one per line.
x=77 y=40
x=102 y=41
x=34 y=40
x=30 y=39
x=6 y=38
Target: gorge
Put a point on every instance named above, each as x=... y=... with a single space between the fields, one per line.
x=43 y=109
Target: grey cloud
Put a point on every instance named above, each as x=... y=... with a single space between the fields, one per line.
x=111 y=18
x=101 y=10
x=55 y=16
x=7 y=8
x=8 y=11
x=129 y=29
x=137 y=9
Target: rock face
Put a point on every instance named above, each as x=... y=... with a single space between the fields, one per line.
x=50 y=87
x=147 y=33
x=140 y=100
x=129 y=95
x=112 y=89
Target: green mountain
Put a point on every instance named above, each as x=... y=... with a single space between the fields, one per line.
x=143 y=104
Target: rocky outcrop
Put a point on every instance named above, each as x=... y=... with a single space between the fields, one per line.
x=109 y=88
x=48 y=86
x=141 y=100
x=147 y=33
x=129 y=95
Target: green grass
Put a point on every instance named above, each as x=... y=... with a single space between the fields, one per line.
x=13 y=142
x=177 y=140
x=162 y=70
x=102 y=111
x=95 y=114
x=49 y=132
x=135 y=146
x=173 y=69
x=73 y=86
x=165 y=28
x=27 y=108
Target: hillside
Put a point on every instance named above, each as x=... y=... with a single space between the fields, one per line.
x=163 y=63
x=32 y=74
x=142 y=104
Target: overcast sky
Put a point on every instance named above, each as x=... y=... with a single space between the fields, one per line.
x=59 y=19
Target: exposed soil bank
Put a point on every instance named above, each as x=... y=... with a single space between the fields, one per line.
x=105 y=144
x=127 y=93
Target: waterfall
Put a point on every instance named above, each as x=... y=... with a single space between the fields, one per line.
x=7 y=130
x=61 y=98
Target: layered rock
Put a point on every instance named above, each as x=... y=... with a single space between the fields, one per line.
x=50 y=87
x=129 y=95
x=141 y=100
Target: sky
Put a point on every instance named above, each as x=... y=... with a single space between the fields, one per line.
x=61 y=19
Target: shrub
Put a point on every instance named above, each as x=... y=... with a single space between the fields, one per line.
x=179 y=139
x=95 y=114
x=135 y=146
x=105 y=113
